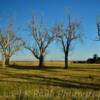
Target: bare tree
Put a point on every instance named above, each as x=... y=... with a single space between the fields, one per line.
x=9 y=43
x=42 y=38
x=98 y=26
x=66 y=35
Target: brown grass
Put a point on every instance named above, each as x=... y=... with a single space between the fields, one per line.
x=78 y=79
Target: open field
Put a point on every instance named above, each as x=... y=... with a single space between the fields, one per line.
x=25 y=81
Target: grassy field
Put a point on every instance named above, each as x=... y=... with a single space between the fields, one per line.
x=25 y=81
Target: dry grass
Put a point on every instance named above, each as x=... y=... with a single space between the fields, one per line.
x=25 y=81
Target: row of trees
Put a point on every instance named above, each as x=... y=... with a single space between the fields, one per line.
x=66 y=33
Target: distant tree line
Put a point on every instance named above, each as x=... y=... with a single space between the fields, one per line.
x=95 y=59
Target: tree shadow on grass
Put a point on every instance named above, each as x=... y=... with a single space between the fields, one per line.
x=54 y=68
x=68 y=83
x=17 y=66
x=50 y=81
x=30 y=67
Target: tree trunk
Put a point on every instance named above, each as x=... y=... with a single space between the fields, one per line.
x=6 y=61
x=3 y=64
x=41 y=60
x=66 y=55
x=66 y=61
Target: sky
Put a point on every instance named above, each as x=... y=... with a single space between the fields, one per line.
x=54 y=11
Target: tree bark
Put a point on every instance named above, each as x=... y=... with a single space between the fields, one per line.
x=6 y=61
x=3 y=64
x=66 y=54
x=41 y=60
x=66 y=61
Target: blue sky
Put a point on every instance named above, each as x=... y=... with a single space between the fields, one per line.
x=53 y=11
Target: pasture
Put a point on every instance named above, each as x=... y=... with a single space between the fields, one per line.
x=26 y=81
